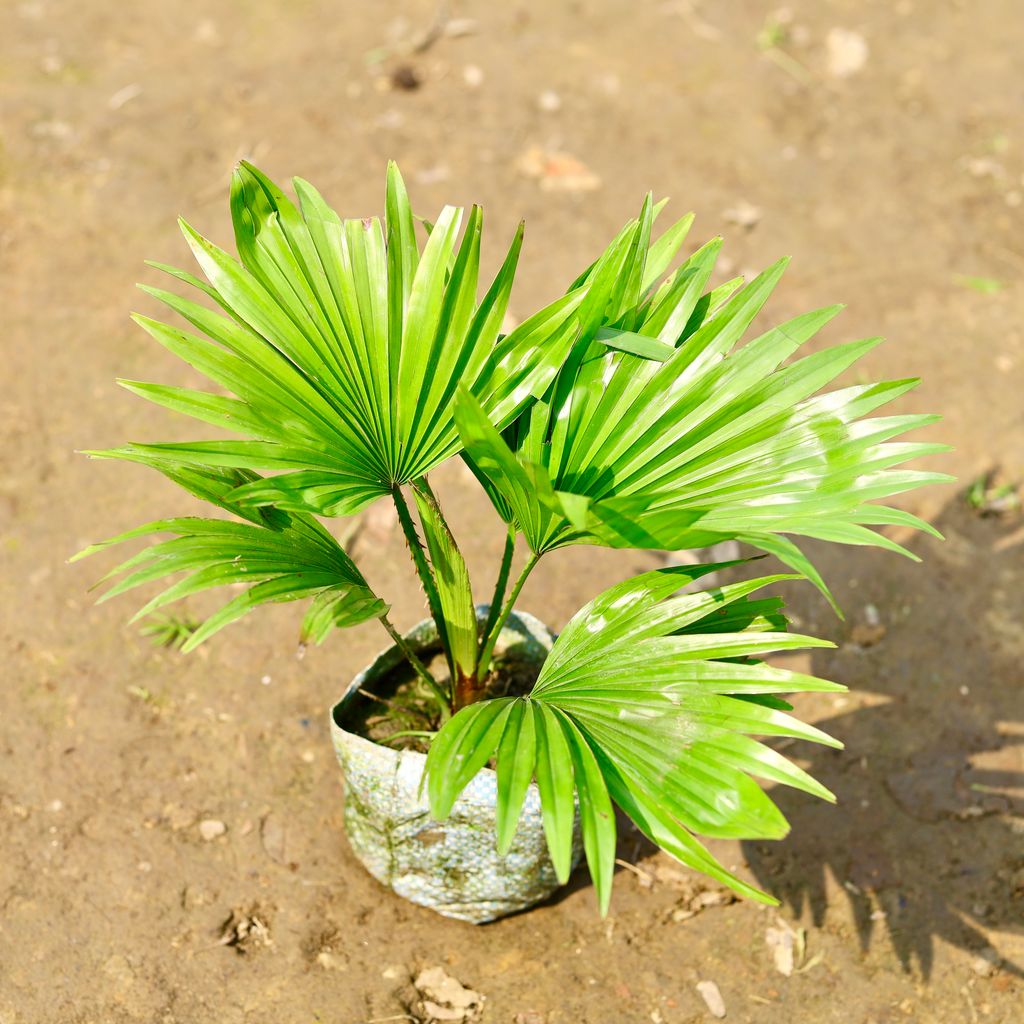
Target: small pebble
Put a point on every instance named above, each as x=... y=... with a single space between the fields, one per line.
x=207 y=32
x=432 y=175
x=782 y=942
x=473 y=76
x=211 y=828
x=743 y=214
x=330 y=961
x=405 y=78
x=178 y=817
x=549 y=101
x=986 y=963
x=52 y=130
x=709 y=992
x=846 y=52
x=265 y=680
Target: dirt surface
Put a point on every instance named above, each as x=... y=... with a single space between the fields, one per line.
x=171 y=846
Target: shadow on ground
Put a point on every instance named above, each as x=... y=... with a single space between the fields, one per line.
x=927 y=840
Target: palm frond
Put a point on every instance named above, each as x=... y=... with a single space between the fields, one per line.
x=650 y=701
x=343 y=345
x=279 y=556
x=661 y=431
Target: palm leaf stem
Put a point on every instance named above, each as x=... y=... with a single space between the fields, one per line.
x=492 y=637
x=443 y=699
x=423 y=570
x=500 y=586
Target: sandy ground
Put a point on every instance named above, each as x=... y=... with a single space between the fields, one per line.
x=887 y=160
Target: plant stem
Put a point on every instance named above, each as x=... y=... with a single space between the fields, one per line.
x=423 y=570
x=421 y=670
x=407 y=732
x=492 y=637
x=391 y=705
x=500 y=586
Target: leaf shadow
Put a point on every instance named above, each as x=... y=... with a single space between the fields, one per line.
x=927 y=840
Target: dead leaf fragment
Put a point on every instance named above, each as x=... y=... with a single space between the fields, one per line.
x=446 y=999
x=272 y=835
x=246 y=930
x=781 y=941
x=695 y=896
x=558 y=172
x=864 y=635
x=457 y=28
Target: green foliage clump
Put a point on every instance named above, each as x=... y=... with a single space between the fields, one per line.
x=627 y=413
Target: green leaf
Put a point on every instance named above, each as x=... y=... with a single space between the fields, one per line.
x=343 y=346
x=664 y=431
x=650 y=699
x=985 y=285
x=556 y=782
x=637 y=344
x=533 y=506
x=452 y=579
x=463 y=746
x=517 y=755
x=280 y=556
x=597 y=816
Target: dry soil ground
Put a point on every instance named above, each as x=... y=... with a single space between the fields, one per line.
x=886 y=157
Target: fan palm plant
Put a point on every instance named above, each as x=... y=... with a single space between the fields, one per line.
x=626 y=413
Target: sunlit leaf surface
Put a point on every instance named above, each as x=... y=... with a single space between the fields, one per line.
x=651 y=701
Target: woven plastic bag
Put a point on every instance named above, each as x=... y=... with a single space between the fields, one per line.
x=453 y=866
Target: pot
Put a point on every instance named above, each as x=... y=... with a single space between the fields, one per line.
x=453 y=866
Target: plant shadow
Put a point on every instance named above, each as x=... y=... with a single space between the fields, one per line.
x=927 y=840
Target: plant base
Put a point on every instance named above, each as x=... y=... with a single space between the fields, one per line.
x=453 y=866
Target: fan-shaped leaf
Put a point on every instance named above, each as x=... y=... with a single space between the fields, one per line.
x=344 y=346
x=648 y=700
x=282 y=557
x=664 y=432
